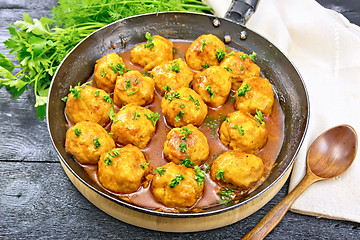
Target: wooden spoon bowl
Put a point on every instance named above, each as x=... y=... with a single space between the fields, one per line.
x=329 y=156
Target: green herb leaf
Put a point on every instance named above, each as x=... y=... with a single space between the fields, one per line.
x=75 y=92
x=96 y=142
x=203 y=43
x=240 y=129
x=183 y=147
x=259 y=117
x=103 y=73
x=220 y=175
x=133 y=92
x=150 y=43
x=176 y=180
x=174 y=95
x=128 y=85
x=226 y=195
x=175 y=67
x=241 y=91
x=97 y=93
x=197 y=102
x=185 y=133
x=167 y=88
x=199 y=175
x=64 y=99
x=108 y=99
x=112 y=115
x=186 y=162
x=212 y=94
x=179 y=116
x=77 y=132
x=160 y=170
x=135 y=115
x=144 y=165
x=154 y=117
x=206 y=66
x=220 y=54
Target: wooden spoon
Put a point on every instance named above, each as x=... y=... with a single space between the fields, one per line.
x=329 y=156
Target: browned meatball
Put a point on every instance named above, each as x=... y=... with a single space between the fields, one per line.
x=213 y=85
x=155 y=51
x=121 y=170
x=134 y=125
x=183 y=106
x=205 y=51
x=176 y=186
x=237 y=168
x=255 y=94
x=86 y=141
x=107 y=69
x=86 y=103
x=133 y=87
x=241 y=131
x=240 y=67
x=173 y=74
x=186 y=145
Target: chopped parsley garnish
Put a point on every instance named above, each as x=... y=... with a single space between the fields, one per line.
x=64 y=99
x=150 y=43
x=160 y=170
x=111 y=134
x=103 y=73
x=112 y=115
x=259 y=117
x=75 y=92
x=199 y=175
x=108 y=99
x=226 y=195
x=182 y=105
x=96 y=142
x=154 y=117
x=176 y=180
x=167 y=88
x=77 y=132
x=220 y=54
x=186 y=162
x=230 y=54
x=227 y=119
x=203 y=43
x=220 y=174
x=97 y=92
x=212 y=94
x=228 y=69
x=179 y=116
x=119 y=68
x=111 y=154
x=206 y=66
x=175 y=67
x=185 y=132
x=173 y=95
x=242 y=68
x=144 y=165
x=183 y=147
x=135 y=116
x=197 y=102
x=251 y=56
x=240 y=129
x=133 y=92
x=136 y=81
x=241 y=91
x=128 y=85
x=207 y=167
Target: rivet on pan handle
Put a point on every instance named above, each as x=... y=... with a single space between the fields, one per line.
x=241 y=10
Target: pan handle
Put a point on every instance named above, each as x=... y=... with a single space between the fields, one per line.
x=241 y=10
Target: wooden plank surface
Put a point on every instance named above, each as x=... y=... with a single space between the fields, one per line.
x=38 y=201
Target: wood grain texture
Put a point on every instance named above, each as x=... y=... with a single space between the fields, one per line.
x=38 y=201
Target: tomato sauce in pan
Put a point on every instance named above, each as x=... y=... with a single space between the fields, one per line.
x=154 y=151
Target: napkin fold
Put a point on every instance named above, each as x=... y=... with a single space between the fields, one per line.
x=325 y=48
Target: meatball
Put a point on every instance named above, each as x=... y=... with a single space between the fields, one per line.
x=213 y=85
x=173 y=74
x=176 y=186
x=107 y=69
x=134 y=125
x=186 y=145
x=155 y=51
x=86 y=141
x=133 y=87
x=121 y=170
x=240 y=67
x=237 y=168
x=205 y=51
x=183 y=106
x=241 y=131
x=255 y=94
x=86 y=103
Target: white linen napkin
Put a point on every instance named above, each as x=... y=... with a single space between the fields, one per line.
x=325 y=48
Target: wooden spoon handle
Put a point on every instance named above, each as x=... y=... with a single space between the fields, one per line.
x=273 y=217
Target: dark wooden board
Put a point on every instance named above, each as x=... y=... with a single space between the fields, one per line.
x=38 y=201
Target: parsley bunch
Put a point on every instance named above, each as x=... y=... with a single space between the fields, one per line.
x=39 y=45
